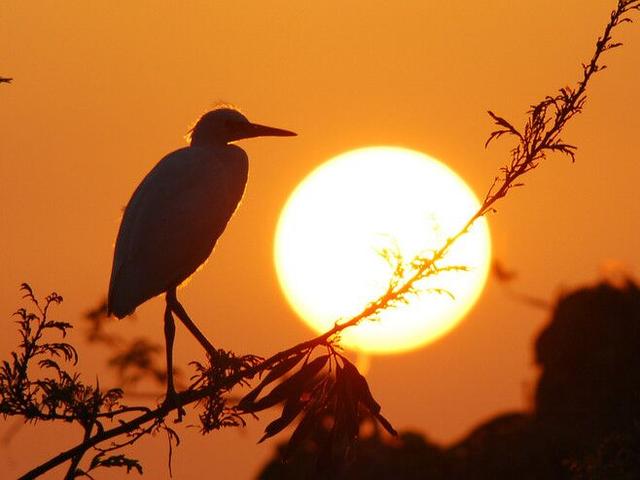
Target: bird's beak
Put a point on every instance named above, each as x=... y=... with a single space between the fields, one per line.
x=255 y=130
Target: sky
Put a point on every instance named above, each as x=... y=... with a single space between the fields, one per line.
x=102 y=90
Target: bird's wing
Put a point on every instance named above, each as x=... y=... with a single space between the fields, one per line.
x=172 y=222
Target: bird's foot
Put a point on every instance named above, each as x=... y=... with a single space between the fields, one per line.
x=172 y=401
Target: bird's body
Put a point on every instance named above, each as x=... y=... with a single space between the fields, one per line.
x=175 y=218
x=173 y=221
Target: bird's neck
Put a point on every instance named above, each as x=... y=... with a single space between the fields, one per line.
x=199 y=141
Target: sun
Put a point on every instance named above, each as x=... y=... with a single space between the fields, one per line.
x=337 y=223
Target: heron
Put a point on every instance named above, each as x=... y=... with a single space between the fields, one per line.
x=175 y=217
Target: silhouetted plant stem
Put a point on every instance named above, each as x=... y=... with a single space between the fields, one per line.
x=534 y=141
x=75 y=460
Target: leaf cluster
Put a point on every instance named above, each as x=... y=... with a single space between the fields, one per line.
x=55 y=394
x=325 y=389
x=37 y=385
x=217 y=412
x=110 y=461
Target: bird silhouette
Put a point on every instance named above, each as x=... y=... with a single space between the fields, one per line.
x=175 y=217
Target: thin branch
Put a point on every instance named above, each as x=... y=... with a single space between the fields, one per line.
x=75 y=461
x=535 y=140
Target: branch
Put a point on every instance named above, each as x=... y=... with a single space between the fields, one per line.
x=183 y=398
x=539 y=136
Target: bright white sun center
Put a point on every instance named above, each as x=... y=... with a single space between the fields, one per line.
x=338 y=222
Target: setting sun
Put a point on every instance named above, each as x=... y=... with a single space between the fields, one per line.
x=338 y=221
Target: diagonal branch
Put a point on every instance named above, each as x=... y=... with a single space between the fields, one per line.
x=540 y=136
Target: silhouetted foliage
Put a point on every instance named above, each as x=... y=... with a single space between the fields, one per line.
x=324 y=390
x=588 y=395
x=212 y=378
x=37 y=385
x=328 y=393
x=585 y=423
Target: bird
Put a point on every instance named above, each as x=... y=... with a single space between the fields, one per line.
x=175 y=217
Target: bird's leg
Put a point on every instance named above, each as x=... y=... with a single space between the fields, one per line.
x=169 y=335
x=178 y=309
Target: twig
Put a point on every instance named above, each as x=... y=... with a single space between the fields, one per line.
x=535 y=140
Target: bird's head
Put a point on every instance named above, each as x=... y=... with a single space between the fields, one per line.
x=224 y=125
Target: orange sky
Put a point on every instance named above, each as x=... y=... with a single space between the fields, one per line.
x=102 y=92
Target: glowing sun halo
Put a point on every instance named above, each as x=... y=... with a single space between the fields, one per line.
x=338 y=220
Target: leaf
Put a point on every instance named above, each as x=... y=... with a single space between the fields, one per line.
x=290 y=387
x=27 y=288
x=276 y=372
x=302 y=431
x=347 y=423
x=506 y=128
x=387 y=426
x=291 y=410
x=61 y=349
x=364 y=395
x=361 y=387
x=53 y=297
x=115 y=461
x=48 y=363
x=62 y=326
